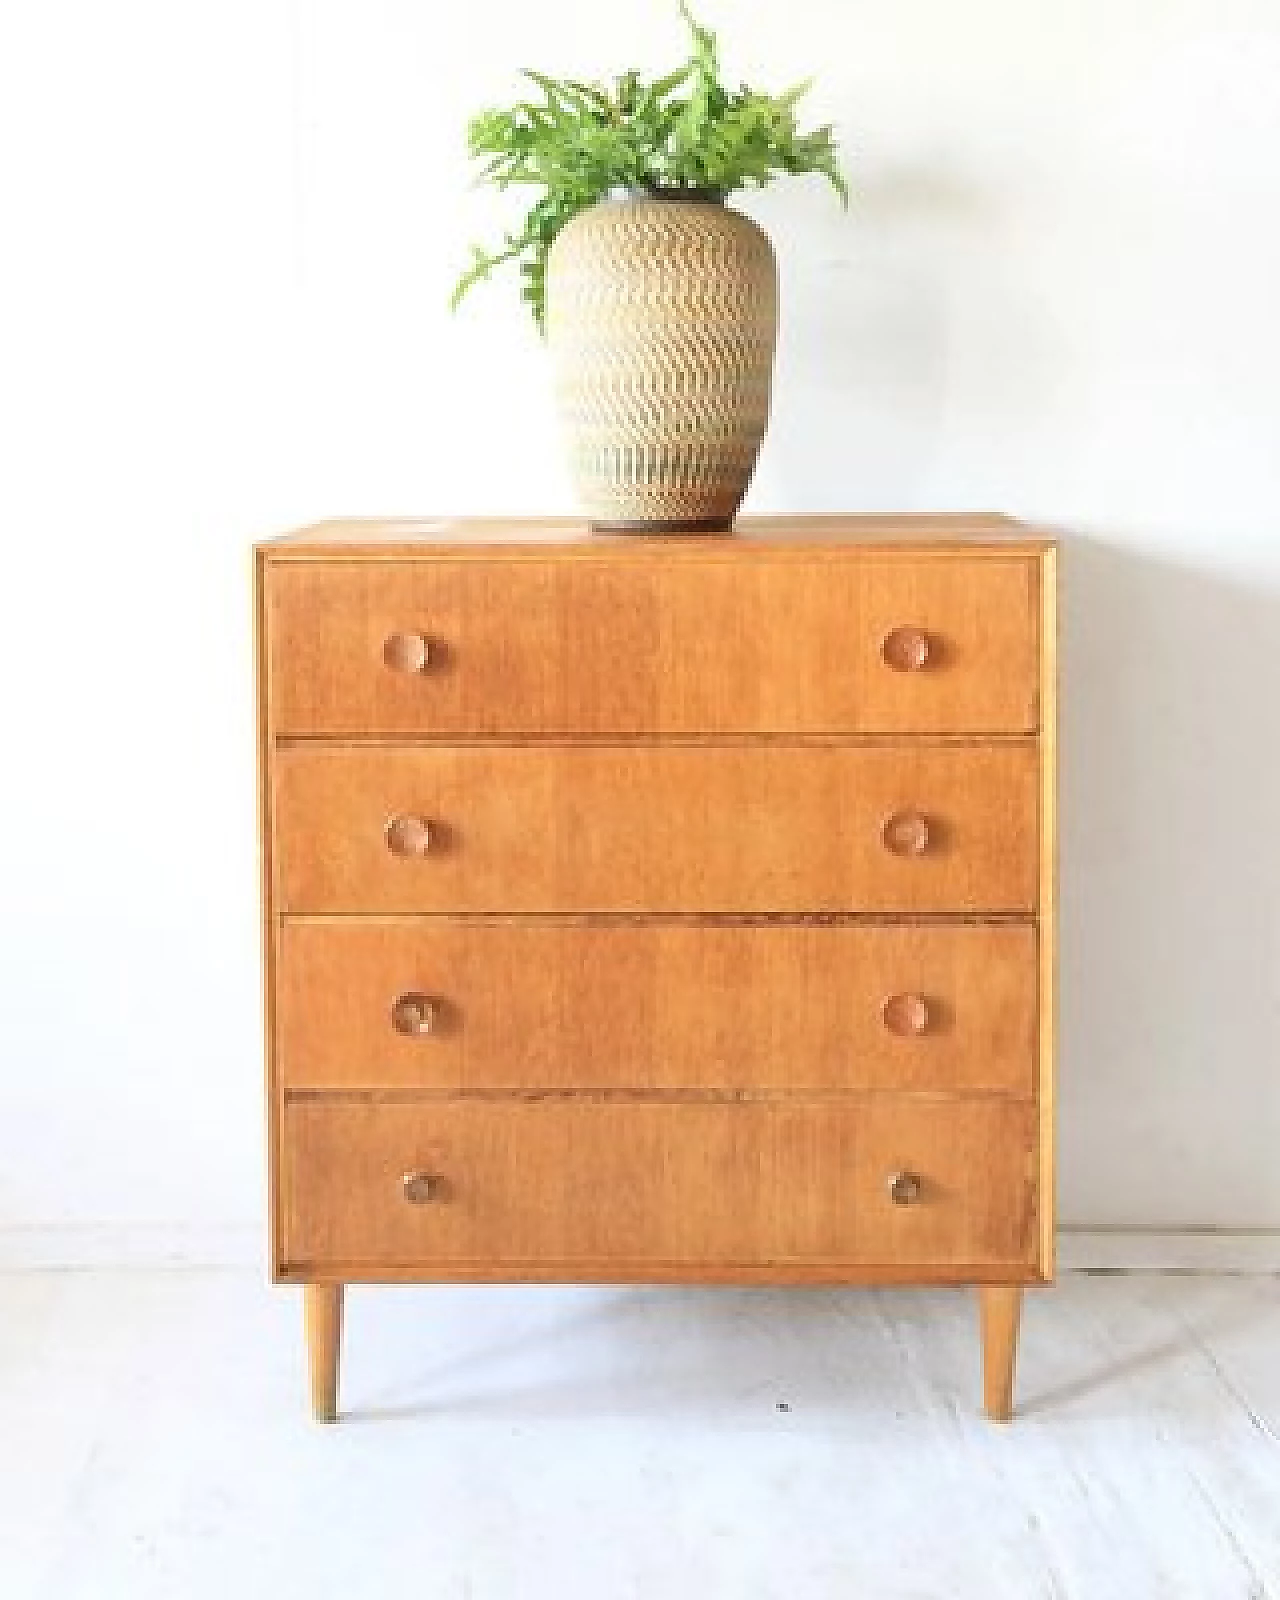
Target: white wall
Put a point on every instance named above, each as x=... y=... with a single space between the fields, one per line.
x=228 y=233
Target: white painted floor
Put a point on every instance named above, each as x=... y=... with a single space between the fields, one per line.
x=661 y=1443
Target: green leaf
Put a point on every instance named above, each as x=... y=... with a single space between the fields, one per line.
x=593 y=93
x=673 y=80
x=790 y=98
x=705 y=54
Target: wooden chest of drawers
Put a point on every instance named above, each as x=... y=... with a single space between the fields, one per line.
x=672 y=910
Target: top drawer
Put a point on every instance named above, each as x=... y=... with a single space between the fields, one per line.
x=865 y=642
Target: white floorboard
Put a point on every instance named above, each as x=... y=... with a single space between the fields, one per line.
x=602 y=1443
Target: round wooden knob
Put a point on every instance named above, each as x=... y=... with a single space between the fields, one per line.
x=904 y=1188
x=905 y=649
x=412 y=1014
x=406 y=652
x=408 y=836
x=906 y=1014
x=906 y=833
x=421 y=1188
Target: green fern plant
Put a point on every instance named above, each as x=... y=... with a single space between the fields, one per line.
x=578 y=141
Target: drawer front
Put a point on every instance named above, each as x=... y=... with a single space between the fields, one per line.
x=712 y=828
x=628 y=647
x=450 y=1005
x=511 y=1182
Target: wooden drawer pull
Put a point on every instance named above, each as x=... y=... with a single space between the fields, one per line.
x=408 y=836
x=413 y=1014
x=906 y=833
x=904 y=1188
x=421 y=1188
x=906 y=1014
x=906 y=649
x=406 y=652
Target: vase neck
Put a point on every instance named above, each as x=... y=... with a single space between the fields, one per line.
x=681 y=195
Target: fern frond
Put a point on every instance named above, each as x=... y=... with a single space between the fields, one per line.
x=685 y=130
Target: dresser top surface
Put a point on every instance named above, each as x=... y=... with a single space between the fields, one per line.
x=378 y=538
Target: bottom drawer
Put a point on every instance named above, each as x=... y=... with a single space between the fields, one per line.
x=630 y=1184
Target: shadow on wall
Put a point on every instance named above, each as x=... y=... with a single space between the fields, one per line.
x=1170 y=807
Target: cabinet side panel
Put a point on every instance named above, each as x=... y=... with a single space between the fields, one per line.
x=1048 y=904
x=262 y=691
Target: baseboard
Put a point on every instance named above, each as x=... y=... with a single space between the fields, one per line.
x=199 y=1245
x=1118 y=1249
x=141 y=1246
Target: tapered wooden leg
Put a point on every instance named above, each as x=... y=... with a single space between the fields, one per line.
x=322 y=1315
x=1001 y=1308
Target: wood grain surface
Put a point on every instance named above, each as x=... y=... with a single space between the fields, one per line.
x=655 y=829
x=655 y=1005
x=658 y=1181
x=940 y=535
x=555 y=647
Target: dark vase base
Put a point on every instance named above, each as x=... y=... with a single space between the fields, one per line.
x=678 y=525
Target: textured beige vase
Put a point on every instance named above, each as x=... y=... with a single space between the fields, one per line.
x=662 y=317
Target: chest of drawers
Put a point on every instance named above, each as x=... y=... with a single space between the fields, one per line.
x=659 y=911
